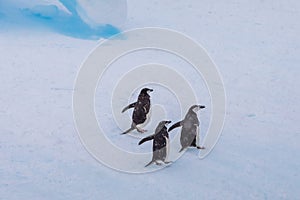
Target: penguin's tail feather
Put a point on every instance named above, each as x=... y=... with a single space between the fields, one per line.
x=182 y=148
x=176 y=125
x=151 y=137
x=152 y=161
x=130 y=129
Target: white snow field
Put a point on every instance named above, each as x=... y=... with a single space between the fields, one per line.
x=256 y=46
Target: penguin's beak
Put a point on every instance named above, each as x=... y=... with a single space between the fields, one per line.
x=201 y=107
x=149 y=90
x=168 y=122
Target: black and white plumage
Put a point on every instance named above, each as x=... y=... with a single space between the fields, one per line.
x=160 y=145
x=141 y=110
x=190 y=128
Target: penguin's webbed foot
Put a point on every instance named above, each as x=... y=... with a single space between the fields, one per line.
x=141 y=130
x=158 y=163
x=198 y=147
x=168 y=162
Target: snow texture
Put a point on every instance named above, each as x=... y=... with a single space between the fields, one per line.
x=256 y=46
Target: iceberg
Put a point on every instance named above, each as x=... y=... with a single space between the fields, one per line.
x=86 y=19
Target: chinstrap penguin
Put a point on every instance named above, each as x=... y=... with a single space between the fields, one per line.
x=160 y=145
x=141 y=110
x=190 y=128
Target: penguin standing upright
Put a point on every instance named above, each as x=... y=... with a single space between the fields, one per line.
x=190 y=128
x=141 y=110
x=160 y=145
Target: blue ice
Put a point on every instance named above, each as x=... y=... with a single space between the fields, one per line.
x=67 y=21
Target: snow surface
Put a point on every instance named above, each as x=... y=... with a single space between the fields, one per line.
x=256 y=46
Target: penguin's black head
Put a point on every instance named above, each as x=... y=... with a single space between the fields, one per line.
x=161 y=125
x=167 y=122
x=196 y=108
x=146 y=91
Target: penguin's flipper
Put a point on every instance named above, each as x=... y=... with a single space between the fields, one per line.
x=176 y=125
x=151 y=137
x=129 y=106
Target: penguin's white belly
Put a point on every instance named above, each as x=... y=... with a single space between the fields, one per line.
x=197 y=136
x=167 y=148
x=146 y=121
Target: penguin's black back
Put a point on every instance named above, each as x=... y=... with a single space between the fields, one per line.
x=141 y=109
x=160 y=145
x=189 y=129
x=159 y=140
